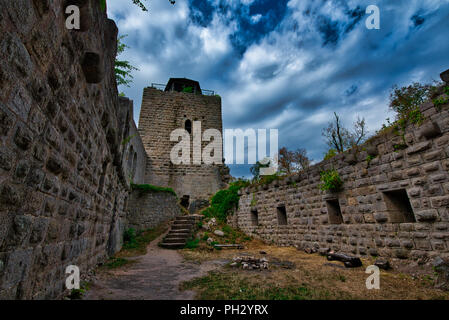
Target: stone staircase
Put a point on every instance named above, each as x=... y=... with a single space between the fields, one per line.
x=181 y=230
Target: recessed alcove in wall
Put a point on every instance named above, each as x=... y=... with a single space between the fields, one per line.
x=334 y=211
x=282 y=215
x=398 y=206
x=188 y=126
x=254 y=218
x=185 y=201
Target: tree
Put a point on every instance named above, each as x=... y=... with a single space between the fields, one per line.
x=255 y=169
x=293 y=161
x=340 y=138
x=123 y=68
x=405 y=101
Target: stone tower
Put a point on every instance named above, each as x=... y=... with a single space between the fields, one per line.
x=178 y=106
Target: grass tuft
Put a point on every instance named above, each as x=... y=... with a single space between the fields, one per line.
x=151 y=188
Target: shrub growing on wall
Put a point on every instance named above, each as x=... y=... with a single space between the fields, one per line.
x=224 y=201
x=151 y=188
x=331 y=180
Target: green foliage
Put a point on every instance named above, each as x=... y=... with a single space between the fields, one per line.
x=226 y=286
x=188 y=90
x=128 y=139
x=440 y=101
x=268 y=179
x=446 y=90
x=399 y=146
x=77 y=294
x=130 y=239
x=224 y=201
x=369 y=158
x=192 y=244
x=330 y=180
x=407 y=99
x=330 y=154
x=103 y=5
x=253 y=201
x=116 y=263
x=415 y=116
x=151 y=188
x=123 y=68
x=227 y=229
x=255 y=169
x=136 y=243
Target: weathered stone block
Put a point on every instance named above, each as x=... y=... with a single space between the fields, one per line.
x=429 y=130
x=419 y=147
x=426 y=215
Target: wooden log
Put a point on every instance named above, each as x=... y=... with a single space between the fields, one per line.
x=238 y=246
x=349 y=261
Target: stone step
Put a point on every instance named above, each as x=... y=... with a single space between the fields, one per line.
x=180 y=231
x=182 y=226
x=172 y=245
x=174 y=233
x=186 y=218
x=184 y=222
x=175 y=240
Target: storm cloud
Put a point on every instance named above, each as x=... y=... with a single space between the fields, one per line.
x=287 y=64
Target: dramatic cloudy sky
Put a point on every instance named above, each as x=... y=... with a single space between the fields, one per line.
x=287 y=64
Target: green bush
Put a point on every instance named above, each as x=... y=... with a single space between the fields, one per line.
x=227 y=229
x=330 y=154
x=440 y=101
x=224 y=201
x=188 y=90
x=268 y=179
x=369 y=158
x=415 y=116
x=129 y=235
x=192 y=244
x=330 y=180
x=151 y=188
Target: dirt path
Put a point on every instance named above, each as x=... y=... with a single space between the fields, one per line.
x=154 y=276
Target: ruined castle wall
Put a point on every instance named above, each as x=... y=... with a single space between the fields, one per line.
x=62 y=186
x=161 y=113
x=149 y=209
x=373 y=201
x=134 y=155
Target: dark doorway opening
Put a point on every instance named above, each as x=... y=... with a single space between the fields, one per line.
x=185 y=201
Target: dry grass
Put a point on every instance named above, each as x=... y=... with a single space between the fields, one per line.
x=311 y=278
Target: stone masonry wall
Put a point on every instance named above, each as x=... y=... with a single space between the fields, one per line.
x=62 y=182
x=374 y=217
x=149 y=209
x=134 y=154
x=161 y=113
